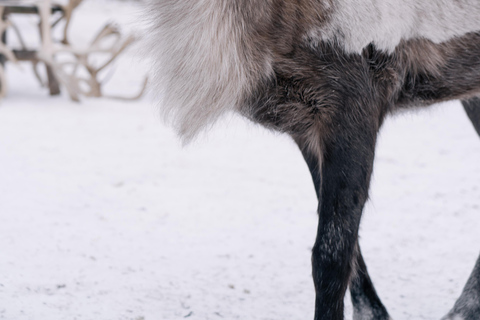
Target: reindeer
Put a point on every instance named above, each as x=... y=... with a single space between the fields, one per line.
x=327 y=73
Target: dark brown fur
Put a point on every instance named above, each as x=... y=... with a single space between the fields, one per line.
x=311 y=83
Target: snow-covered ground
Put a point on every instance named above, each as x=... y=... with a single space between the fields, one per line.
x=103 y=215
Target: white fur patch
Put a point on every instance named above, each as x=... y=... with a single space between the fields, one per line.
x=201 y=60
x=357 y=23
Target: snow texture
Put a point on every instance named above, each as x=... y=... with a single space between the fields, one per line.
x=103 y=215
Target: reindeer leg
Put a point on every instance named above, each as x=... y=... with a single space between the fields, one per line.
x=341 y=174
x=366 y=303
x=467 y=306
x=472 y=107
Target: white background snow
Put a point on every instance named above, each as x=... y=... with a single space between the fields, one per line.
x=103 y=215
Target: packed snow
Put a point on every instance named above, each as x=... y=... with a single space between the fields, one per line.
x=104 y=215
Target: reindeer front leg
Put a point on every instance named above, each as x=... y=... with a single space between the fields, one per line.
x=366 y=303
x=341 y=175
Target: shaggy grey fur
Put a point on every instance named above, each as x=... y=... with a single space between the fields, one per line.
x=207 y=57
